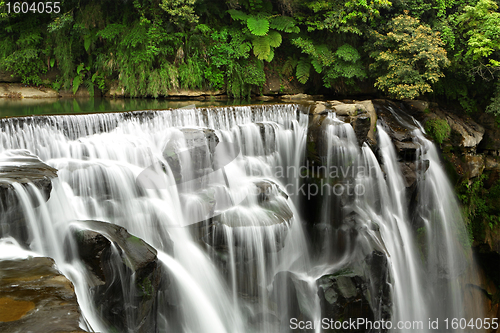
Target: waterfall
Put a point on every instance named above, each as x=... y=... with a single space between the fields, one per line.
x=217 y=192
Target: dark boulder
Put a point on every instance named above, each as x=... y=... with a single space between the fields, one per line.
x=358 y=291
x=125 y=274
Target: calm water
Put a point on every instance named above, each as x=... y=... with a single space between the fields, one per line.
x=48 y=106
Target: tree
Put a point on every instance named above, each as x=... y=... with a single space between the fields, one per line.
x=481 y=26
x=408 y=58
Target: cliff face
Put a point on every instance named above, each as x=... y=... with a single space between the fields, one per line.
x=470 y=151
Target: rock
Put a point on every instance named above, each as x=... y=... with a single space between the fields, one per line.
x=200 y=144
x=274 y=228
x=399 y=126
x=492 y=163
x=372 y=114
x=357 y=292
x=410 y=171
x=417 y=105
x=118 y=261
x=264 y=98
x=465 y=132
x=9 y=77
x=36 y=297
x=345 y=109
x=361 y=126
x=491 y=138
x=193 y=93
x=22 y=168
x=18 y=90
x=291 y=295
x=115 y=91
x=318 y=108
x=475 y=164
x=296 y=96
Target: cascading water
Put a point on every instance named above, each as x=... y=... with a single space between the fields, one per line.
x=216 y=192
x=231 y=222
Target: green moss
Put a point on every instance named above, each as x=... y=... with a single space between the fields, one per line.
x=439 y=129
x=146 y=287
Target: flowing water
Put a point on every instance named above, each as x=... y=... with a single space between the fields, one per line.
x=222 y=185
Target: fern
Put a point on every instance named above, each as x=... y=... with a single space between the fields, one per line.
x=237 y=15
x=289 y=66
x=274 y=38
x=258 y=26
x=303 y=69
x=347 y=53
x=261 y=47
x=317 y=65
x=284 y=23
x=111 y=31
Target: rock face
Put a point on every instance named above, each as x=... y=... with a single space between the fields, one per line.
x=22 y=168
x=125 y=273
x=36 y=297
x=18 y=90
x=352 y=294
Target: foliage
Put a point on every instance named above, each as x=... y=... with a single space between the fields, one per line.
x=150 y=47
x=480 y=204
x=410 y=57
x=494 y=107
x=438 y=128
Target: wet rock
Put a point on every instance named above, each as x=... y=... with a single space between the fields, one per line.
x=291 y=296
x=36 y=297
x=271 y=221
x=22 y=167
x=195 y=145
x=399 y=125
x=125 y=271
x=25 y=169
x=357 y=291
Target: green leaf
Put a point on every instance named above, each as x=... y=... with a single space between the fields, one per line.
x=261 y=47
x=274 y=38
x=270 y=56
x=284 y=23
x=52 y=62
x=79 y=68
x=258 y=26
x=76 y=83
x=303 y=69
x=317 y=65
x=348 y=53
x=86 y=42
x=237 y=15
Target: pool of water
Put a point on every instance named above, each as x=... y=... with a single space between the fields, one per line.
x=47 y=106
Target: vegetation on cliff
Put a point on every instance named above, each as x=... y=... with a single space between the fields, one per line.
x=444 y=49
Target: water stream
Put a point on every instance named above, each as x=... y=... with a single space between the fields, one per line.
x=216 y=193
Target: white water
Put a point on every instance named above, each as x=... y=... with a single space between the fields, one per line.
x=100 y=158
x=224 y=276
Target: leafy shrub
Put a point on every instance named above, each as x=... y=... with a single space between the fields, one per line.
x=439 y=129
